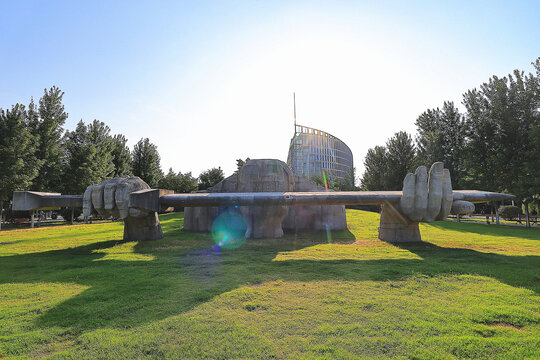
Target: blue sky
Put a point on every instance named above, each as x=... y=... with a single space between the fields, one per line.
x=210 y=82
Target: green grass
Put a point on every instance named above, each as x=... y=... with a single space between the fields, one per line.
x=72 y=292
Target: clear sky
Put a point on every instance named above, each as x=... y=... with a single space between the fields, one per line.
x=210 y=82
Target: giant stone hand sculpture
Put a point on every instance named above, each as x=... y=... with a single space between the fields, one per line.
x=424 y=199
x=111 y=198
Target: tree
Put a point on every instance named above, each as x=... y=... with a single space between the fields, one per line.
x=210 y=177
x=401 y=159
x=501 y=119
x=441 y=137
x=49 y=129
x=121 y=156
x=89 y=156
x=479 y=153
x=376 y=169
x=349 y=181
x=18 y=164
x=180 y=183
x=326 y=180
x=386 y=166
x=240 y=163
x=146 y=162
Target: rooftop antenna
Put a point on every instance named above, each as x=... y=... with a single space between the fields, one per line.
x=294 y=101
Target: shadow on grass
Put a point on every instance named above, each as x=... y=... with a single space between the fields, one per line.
x=187 y=270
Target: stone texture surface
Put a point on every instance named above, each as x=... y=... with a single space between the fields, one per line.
x=269 y=175
x=123 y=189
x=423 y=198
x=87 y=201
x=460 y=207
x=265 y=175
x=427 y=199
x=394 y=227
x=111 y=198
x=320 y=217
x=142 y=228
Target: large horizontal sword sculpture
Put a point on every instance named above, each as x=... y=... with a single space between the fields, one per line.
x=424 y=198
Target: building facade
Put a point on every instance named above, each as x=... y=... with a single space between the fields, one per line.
x=312 y=151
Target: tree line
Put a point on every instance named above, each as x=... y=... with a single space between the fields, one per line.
x=493 y=145
x=37 y=153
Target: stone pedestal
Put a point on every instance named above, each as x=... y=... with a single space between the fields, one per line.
x=395 y=228
x=142 y=228
x=264 y=221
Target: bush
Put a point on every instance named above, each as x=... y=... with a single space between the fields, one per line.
x=509 y=212
x=66 y=213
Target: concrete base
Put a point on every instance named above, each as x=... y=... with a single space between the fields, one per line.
x=264 y=221
x=395 y=228
x=142 y=228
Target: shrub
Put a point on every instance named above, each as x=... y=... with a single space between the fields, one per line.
x=66 y=213
x=509 y=212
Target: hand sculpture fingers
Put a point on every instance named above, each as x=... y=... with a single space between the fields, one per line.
x=123 y=189
x=427 y=199
x=414 y=200
x=407 y=198
x=435 y=184
x=447 y=196
x=98 y=203
x=111 y=197
x=87 y=202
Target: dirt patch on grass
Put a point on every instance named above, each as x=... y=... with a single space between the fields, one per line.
x=507 y=326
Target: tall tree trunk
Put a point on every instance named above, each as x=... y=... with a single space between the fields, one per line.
x=1 y=212
x=527 y=217
x=497 y=219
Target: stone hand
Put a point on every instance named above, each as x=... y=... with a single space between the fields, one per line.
x=111 y=198
x=429 y=198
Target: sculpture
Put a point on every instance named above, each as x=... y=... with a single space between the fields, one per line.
x=111 y=198
x=269 y=175
x=423 y=199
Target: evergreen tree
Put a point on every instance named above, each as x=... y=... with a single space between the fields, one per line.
x=121 y=156
x=479 y=153
x=18 y=164
x=146 y=162
x=376 y=170
x=349 y=181
x=441 y=137
x=49 y=129
x=89 y=156
x=210 y=178
x=401 y=159
x=386 y=166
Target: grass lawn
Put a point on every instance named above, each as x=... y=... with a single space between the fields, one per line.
x=74 y=292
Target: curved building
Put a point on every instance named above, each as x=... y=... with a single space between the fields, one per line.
x=312 y=151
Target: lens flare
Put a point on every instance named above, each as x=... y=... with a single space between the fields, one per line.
x=229 y=230
x=328 y=234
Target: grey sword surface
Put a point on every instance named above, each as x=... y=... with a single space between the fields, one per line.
x=26 y=200
x=311 y=198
